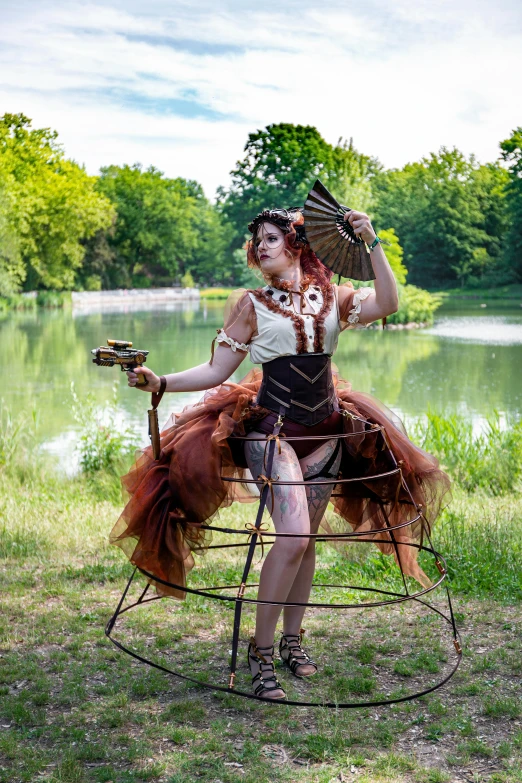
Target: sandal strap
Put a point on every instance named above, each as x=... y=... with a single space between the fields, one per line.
x=266 y=675
x=265 y=684
x=296 y=655
x=255 y=653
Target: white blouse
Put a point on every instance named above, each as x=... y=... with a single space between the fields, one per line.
x=276 y=334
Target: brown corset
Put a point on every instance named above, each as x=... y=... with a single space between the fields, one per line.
x=301 y=386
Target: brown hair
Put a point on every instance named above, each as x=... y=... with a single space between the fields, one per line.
x=310 y=264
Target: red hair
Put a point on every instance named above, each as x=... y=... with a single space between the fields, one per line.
x=310 y=264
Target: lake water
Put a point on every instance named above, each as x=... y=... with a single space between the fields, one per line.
x=469 y=362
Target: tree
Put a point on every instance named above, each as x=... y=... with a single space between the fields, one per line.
x=12 y=271
x=449 y=214
x=53 y=203
x=152 y=230
x=279 y=167
x=211 y=262
x=101 y=268
x=512 y=154
x=350 y=176
x=164 y=228
x=394 y=254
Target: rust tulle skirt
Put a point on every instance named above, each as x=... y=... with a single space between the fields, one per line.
x=170 y=500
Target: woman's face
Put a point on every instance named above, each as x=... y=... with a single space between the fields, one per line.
x=270 y=250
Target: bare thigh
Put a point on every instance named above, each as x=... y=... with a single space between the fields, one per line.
x=290 y=508
x=318 y=495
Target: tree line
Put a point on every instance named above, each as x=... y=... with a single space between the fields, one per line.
x=456 y=221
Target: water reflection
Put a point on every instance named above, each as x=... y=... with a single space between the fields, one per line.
x=490 y=330
x=469 y=362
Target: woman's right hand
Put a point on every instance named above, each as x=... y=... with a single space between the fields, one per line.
x=153 y=381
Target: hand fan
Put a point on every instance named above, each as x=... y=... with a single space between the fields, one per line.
x=332 y=238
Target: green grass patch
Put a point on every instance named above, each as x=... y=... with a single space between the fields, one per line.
x=215 y=293
x=73 y=708
x=483 y=293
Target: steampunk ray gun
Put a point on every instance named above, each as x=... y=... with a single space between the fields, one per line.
x=121 y=352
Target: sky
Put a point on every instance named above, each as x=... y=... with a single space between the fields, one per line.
x=180 y=85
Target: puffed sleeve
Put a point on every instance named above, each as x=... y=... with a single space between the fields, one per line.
x=350 y=299
x=239 y=323
x=240 y=310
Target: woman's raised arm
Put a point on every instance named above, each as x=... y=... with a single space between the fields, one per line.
x=383 y=300
x=239 y=328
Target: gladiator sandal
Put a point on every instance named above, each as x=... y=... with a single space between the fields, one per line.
x=265 y=680
x=293 y=654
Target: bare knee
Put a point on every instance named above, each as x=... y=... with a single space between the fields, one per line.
x=292 y=550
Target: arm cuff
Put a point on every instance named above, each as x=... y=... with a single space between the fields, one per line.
x=222 y=337
x=359 y=296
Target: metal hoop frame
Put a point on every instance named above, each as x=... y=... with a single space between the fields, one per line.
x=256 y=533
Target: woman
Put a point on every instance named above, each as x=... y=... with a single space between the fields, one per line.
x=290 y=326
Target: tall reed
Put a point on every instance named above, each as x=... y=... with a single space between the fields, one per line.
x=490 y=460
x=105 y=446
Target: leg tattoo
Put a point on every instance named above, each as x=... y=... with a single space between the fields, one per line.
x=289 y=513
x=289 y=498
x=317 y=497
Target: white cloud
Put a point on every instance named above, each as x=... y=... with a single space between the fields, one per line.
x=402 y=78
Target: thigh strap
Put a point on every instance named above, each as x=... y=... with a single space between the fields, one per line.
x=325 y=471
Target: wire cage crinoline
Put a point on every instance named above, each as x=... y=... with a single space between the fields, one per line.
x=257 y=537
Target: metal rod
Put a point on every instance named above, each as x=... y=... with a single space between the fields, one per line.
x=311 y=483
x=248 y=562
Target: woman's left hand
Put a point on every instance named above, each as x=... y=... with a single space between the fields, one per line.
x=361 y=224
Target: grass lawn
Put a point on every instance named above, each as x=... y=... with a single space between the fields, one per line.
x=74 y=709
x=512 y=292
x=215 y=293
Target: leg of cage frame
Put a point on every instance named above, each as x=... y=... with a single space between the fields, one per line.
x=110 y=624
x=425 y=525
x=426 y=531
x=251 y=549
x=443 y=571
x=395 y=546
x=405 y=485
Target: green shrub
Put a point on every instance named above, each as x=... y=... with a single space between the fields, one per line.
x=104 y=447
x=415 y=306
x=187 y=281
x=17 y=302
x=141 y=281
x=93 y=283
x=54 y=298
